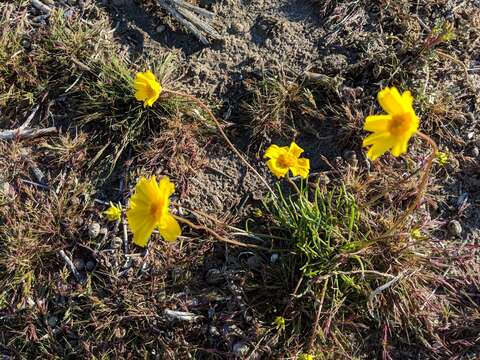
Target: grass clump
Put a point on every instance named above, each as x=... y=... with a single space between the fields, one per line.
x=323 y=227
x=275 y=106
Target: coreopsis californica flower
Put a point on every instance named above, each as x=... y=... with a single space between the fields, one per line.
x=287 y=158
x=393 y=130
x=149 y=210
x=442 y=157
x=147 y=88
x=279 y=323
x=114 y=212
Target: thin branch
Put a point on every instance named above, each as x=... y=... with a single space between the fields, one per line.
x=71 y=266
x=24 y=134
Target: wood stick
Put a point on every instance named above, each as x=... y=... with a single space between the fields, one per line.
x=71 y=266
x=23 y=134
x=41 y=6
x=182 y=20
x=195 y=9
x=202 y=25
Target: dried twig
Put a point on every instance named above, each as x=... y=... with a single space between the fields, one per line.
x=71 y=266
x=23 y=134
x=188 y=15
x=41 y=6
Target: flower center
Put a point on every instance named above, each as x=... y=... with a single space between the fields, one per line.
x=156 y=209
x=151 y=90
x=400 y=124
x=287 y=160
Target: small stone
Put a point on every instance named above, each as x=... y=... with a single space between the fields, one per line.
x=52 y=320
x=214 y=277
x=455 y=228
x=475 y=152
x=213 y=331
x=241 y=349
x=470 y=117
x=72 y=2
x=323 y=179
x=117 y=242
x=351 y=158
x=274 y=258
x=93 y=229
x=79 y=264
x=238 y=27
x=160 y=28
x=90 y=265
x=26 y=44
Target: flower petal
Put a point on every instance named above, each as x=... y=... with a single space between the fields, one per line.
x=302 y=168
x=390 y=100
x=169 y=228
x=277 y=170
x=375 y=137
x=274 y=151
x=376 y=123
x=407 y=100
x=295 y=150
x=381 y=144
x=142 y=225
x=400 y=147
x=149 y=75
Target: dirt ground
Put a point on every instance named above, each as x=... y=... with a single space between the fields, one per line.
x=307 y=70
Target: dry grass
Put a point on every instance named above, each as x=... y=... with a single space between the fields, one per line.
x=347 y=285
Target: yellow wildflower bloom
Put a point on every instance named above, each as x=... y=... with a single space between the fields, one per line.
x=147 y=88
x=416 y=234
x=279 y=323
x=149 y=210
x=287 y=158
x=442 y=157
x=114 y=212
x=391 y=131
x=305 y=357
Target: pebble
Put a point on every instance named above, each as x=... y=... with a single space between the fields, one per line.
x=238 y=27
x=72 y=2
x=351 y=158
x=79 y=264
x=475 y=152
x=213 y=331
x=274 y=258
x=455 y=228
x=52 y=320
x=90 y=265
x=241 y=349
x=160 y=28
x=117 y=242
x=93 y=229
x=214 y=277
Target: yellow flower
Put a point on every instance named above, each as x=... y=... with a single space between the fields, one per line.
x=442 y=157
x=149 y=210
x=286 y=158
x=114 y=212
x=147 y=89
x=305 y=357
x=416 y=234
x=279 y=323
x=393 y=130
